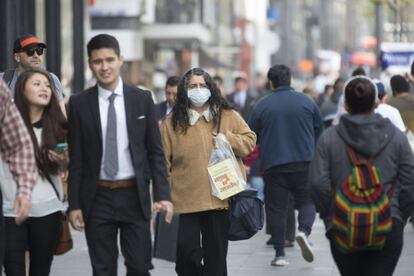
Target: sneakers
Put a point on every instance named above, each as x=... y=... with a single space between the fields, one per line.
x=305 y=247
x=279 y=261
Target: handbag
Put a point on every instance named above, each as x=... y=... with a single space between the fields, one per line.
x=65 y=241
x=246 y=215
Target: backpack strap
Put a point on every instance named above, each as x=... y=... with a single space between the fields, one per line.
x=354 y=158
x=8 y=76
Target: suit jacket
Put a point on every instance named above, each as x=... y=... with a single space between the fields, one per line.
x=85 y=149
x=161 y=110
x=248 y=105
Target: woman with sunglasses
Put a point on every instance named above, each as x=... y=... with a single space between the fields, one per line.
x=46 y=123
x=188 y=137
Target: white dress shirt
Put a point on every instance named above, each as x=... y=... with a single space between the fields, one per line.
x=240 y=98
x=126 y=169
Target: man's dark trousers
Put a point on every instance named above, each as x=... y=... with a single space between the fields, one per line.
x=279 y=181
x=118 y=210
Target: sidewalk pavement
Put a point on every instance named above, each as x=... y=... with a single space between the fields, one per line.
x=245 y=258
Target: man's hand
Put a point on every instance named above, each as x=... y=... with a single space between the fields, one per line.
x=76 y=219
x=21 y=208
x=166 y=206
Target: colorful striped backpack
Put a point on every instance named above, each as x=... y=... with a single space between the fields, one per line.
x=361 y=209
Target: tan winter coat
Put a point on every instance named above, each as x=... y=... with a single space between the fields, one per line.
x=187 y=157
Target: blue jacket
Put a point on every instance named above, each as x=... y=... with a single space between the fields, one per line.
x=287 y=125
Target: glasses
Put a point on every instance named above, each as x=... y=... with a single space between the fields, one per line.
x=38 y=51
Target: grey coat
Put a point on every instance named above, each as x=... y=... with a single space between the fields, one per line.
x=370 y=136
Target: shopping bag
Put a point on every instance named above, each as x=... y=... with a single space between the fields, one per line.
x=226 y=178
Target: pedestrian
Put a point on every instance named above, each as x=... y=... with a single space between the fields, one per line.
x=386 y=110
x=115 y=148
x=39 y=108
x=287 y=125
x=370 y=137
x=402 y=100
x=240 y=98
x=165 y=107
x=16 y=152
x=28 y=53
x=188 y=136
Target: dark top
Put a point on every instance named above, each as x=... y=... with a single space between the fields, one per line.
x=287 y=125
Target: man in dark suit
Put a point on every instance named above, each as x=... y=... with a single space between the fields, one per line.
x=165 y=107
x=240 y=98
x=114 y=142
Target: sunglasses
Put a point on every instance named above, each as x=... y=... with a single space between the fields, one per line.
x=30 y=52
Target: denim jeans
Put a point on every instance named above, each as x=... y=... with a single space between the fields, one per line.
x=258 y=183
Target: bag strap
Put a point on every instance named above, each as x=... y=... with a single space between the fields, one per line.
x=53 y=186
x=218 y=122
x=8 y=76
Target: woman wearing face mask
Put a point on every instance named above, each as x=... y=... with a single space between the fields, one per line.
x=188 y=136
x=37 y=103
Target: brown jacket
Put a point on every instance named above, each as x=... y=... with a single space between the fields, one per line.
x=187 y=157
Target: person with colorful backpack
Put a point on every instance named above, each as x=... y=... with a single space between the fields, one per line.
x=362 y=183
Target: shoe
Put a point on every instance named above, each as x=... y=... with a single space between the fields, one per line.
x=307 y=252
x=289 y=243
x=279 y=261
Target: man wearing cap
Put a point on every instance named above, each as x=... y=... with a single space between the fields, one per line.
x=28 y=53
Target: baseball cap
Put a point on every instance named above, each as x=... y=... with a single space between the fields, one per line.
x=27 y=41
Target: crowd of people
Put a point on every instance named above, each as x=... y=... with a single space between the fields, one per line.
x=127 y=158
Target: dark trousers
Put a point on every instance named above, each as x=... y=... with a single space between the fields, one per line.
x=208 y=257
x=113 y=211
x=372 y=263
x=290 y=221
x=279 y=181
x=39 y=236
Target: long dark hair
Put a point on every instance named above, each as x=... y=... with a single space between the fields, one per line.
x=53 y=121
x=182 y=104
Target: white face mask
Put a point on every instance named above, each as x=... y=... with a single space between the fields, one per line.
x=198 y=96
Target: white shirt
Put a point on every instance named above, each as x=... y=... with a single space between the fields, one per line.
x=240 y=98
x=169 y=109
x=390 y=112
x=125 y=167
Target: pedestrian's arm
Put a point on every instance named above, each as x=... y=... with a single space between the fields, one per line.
x=75 y=146
x=240 y=137
x=17 y=148
x=161 y=187
x=405 y=178
x=320 y=182
x=254 y=124
x=317 y=122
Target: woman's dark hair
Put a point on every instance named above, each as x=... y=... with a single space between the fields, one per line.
x=360 y=95
x=217 y=103
x=53 y=122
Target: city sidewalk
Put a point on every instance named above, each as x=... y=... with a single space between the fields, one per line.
x=245 y=258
